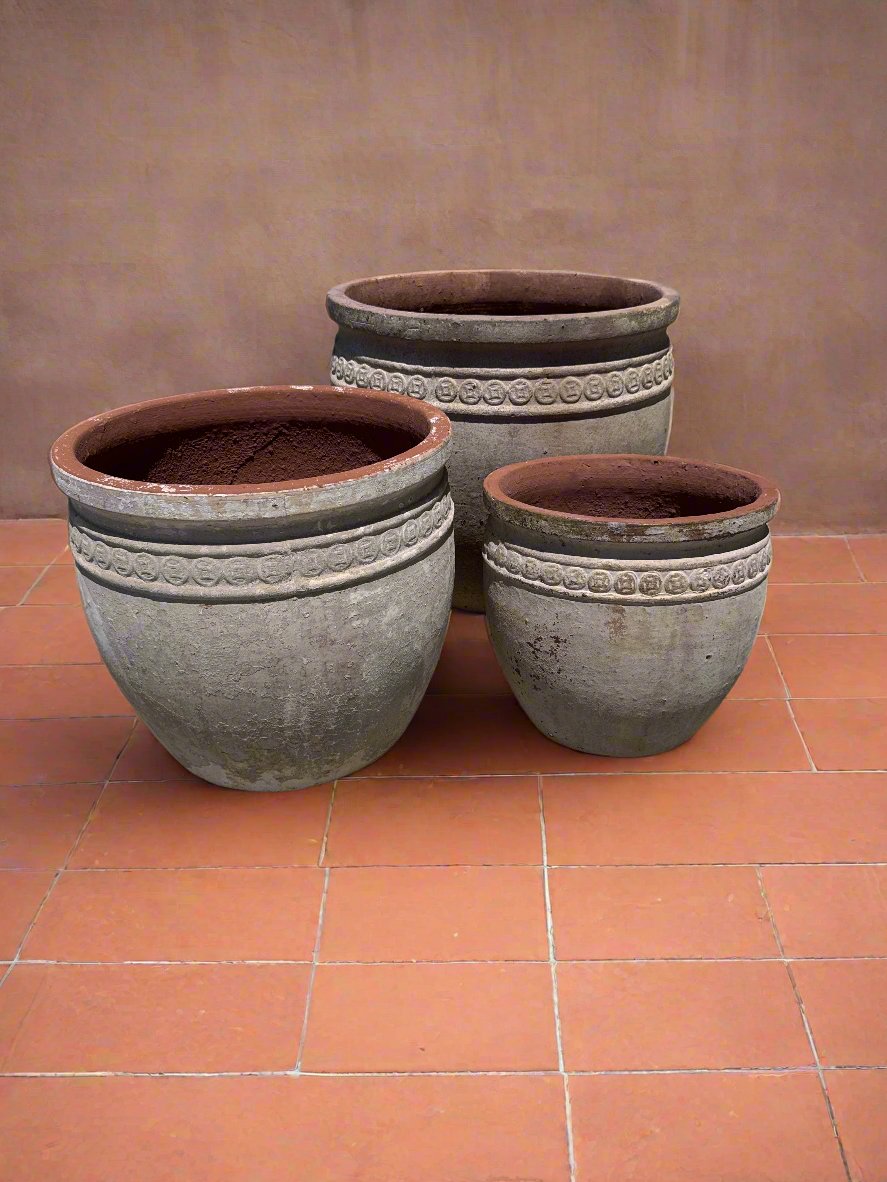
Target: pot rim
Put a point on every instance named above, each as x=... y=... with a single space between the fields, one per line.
x=345 y=307
x=752 y=515
x=274 y=499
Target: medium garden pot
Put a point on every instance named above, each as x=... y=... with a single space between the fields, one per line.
x=267 y=572
x=525 y=364
x=624 y=593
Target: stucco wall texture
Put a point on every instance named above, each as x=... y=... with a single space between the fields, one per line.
x=184 y=179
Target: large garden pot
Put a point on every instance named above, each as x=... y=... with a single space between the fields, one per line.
x=267 y=572
x=624 y=593
x=525 y=364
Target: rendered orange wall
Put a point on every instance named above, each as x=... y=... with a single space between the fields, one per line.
x=184 y=179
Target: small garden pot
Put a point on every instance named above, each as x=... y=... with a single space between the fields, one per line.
x=624 y=593
x=525 y=364
x=267 y=572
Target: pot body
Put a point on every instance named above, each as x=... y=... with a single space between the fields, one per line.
x=514 y=388
x=281 y=639
x=622 y=649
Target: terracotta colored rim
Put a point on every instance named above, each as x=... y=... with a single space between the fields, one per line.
x=506 y=488
x=326 y=404
x=391 y=305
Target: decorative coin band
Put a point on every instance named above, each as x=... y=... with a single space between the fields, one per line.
x=565 y=390
x=234 y=574
x=606 y=580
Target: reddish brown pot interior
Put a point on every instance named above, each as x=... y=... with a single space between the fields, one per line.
x=502 y=293
x=235 y=438
x=625 y=488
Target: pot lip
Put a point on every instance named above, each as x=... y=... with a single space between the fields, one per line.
x=755 y=513
x=64 y=460
x=345 y=308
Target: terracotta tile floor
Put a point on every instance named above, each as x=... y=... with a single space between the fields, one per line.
x=484 y=957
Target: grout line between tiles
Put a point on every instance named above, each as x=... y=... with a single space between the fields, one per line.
x=499 y=960
x=326 y=829
x=68 y=856
x=446 y=1074
x=444 y=866
x=854 y=559
x=791 y=710
x=809 y=1032
x=314 y=959
x=555 y=992
x=22 y=601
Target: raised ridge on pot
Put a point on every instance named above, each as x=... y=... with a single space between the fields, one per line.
x=624 y=498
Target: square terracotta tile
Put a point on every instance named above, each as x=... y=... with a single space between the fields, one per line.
x=829 y=910
x=431 y=1017
x=122 y=915
x=151 y=1017
x=826 y=608
x=859 y=1100
x=456 y=736
x=650 y=820
x=435 y=822
x=38 y=635
x=623 y=913
x=468 y=664
x=870 y=551
x=844 y=734
x=38 y=826
x=460 y=1129
x=703 y=1128
x=59 y=691
x=15 y=582
x=680 y=1015
x=833 y=666
x=846 y=1001
x=21 y=893
x=812 y=560
x=145 y=758
x=760 y=678
x=60 y=750
x=58 y=585
x=32 y=543
x=193 y=824
x=437 y=913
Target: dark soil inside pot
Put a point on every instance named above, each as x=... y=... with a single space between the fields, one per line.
x=252 y=452
x=640 y=490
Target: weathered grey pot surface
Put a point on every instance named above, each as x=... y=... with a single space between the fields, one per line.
x=624 y=593
x=277 y=634
x=525 y=363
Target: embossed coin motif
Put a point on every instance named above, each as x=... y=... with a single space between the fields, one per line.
x=520 y=392
x=657 y=372
x=102 y=555
x=751 y=566
x=595 y=388
x=426 y=523
x=470 y=392
x=677 y=583
x=350 y=372
x=574 y=578
x=411 y=532
x=720 y=577
x=599 y=581
x=647 y=377
x=495 y=393
x=311 y=563
x=175 y=570
x=75 y=537
x=625 y=583
x=615 y=385
x=552 y=574
x=205 y=572
x=363 y=375
x=650 y=583
x=738 y=572
x=377 y=380
x=338 y=557
x=146 y=567
x=416 y=387
x=699 y=581
x=238 y=571
x=513 y=562
x=546 y=392
x=273 y=568
x=87 y=547
x=532 y=568
x=397 y=383
x=367 y=549
x=121 y=560
x=571 y=390
x=390 y=542
x=632 y=381
x=446 y=390
x=338 y=367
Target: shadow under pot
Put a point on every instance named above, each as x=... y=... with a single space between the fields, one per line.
x=624 y=593
x=267 y=572
x=525 y=364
